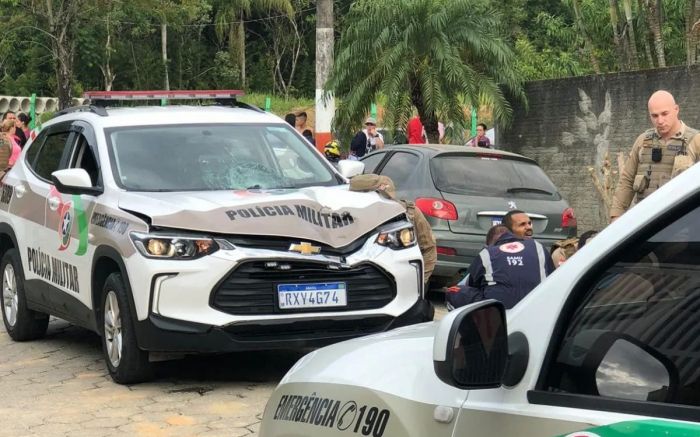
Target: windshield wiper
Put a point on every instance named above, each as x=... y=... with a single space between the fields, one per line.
x=260 y=187
x=527 y=190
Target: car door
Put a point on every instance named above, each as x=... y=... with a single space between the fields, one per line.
x=32 y=191
x=624 y=346
x=67 y=219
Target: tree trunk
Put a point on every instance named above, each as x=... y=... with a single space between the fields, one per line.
x=107 y=68
x=646 y=35
x=427 y=119
x=634 y=57
x=654 y=23
x=62 y=47
x=324 y=102
x=241 y=50
x=692 y=26
x=615 y=22
x=588 y=43
x=164 y=49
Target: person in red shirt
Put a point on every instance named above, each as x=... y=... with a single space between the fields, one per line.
x=415 y=132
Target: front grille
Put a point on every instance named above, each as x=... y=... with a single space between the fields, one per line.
x=251 y=288
x=282 y=244
x=309 y=330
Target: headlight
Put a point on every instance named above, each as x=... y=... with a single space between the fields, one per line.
x=173 y=246
x=397 y=236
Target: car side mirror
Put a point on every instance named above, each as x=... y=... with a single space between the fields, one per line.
x=349 y=168
x=470 y=350
x=74 y=181
x=619 y=366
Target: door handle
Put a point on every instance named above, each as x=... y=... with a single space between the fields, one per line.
x=54 y=202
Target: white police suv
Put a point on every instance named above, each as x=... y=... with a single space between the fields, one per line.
x=182 y=229
x=608 y=346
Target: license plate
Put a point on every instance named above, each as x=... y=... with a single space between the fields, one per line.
x=315 y=295
x=496 y=221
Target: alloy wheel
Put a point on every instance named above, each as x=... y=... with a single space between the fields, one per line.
x=9 y=293
x=113 y=329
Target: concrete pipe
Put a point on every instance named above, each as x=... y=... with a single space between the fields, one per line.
x=14 y=104
x=24 y=104
x=4 y=103
x=51 y=104
x=77 y=101
x=40 y=105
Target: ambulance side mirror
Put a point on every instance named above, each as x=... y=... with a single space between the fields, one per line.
x=470 y=350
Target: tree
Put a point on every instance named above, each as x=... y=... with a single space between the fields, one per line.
x=55 y=24
x=174 y=13
x=230 y=19
x=436 y=55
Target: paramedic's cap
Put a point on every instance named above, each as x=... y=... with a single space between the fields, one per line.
x=371 y=120
x=372 y=182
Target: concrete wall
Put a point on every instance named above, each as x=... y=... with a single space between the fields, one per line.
x=571 y=124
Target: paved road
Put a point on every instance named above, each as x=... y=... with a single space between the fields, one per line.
x=59 y=386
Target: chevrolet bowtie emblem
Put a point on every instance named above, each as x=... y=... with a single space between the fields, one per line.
x=305 y=248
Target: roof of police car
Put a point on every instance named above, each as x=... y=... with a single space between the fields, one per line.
x=181 y=114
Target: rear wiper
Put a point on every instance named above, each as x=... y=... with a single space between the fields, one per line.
x=527 y=190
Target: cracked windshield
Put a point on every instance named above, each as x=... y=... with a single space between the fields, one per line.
x=214 y=157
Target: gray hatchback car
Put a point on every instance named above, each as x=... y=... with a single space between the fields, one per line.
x=463 y=191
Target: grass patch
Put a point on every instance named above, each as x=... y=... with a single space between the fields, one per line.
x=279 y=105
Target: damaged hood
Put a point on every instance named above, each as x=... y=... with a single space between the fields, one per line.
x=329 y=215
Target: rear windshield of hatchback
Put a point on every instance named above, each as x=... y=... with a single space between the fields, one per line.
x=491 y=176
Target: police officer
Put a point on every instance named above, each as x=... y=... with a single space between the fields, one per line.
x=657 y=155
x=424 y=233
x=508 y=270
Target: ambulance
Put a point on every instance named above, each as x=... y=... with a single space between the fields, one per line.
x=608 y=345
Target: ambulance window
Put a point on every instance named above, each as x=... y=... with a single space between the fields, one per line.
x=634 y=335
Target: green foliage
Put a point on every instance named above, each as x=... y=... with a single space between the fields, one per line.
x=436 y=55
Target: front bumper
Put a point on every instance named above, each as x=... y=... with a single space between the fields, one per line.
x=161 y=334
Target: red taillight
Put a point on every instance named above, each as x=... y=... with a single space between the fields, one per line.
x=437 y=208
x=568 y=219
x=449 y=251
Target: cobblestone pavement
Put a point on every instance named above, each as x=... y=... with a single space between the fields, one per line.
x=59 y=386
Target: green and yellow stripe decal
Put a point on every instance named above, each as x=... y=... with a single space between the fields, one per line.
x=641 y=428
x=82 y=225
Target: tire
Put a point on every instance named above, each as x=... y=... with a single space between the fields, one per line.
x=127 y=364
x=21 y=323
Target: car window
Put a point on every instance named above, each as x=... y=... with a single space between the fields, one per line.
x=400 y=167
x=207 y=157
x=50 y=154
x=34 y=148
x=491 y=176
x=84 y=157
x=634 y=334
x=372 y=161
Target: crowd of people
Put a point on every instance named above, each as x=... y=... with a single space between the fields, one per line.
x=13 y=136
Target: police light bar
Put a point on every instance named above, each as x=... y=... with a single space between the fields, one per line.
x=162 y=94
